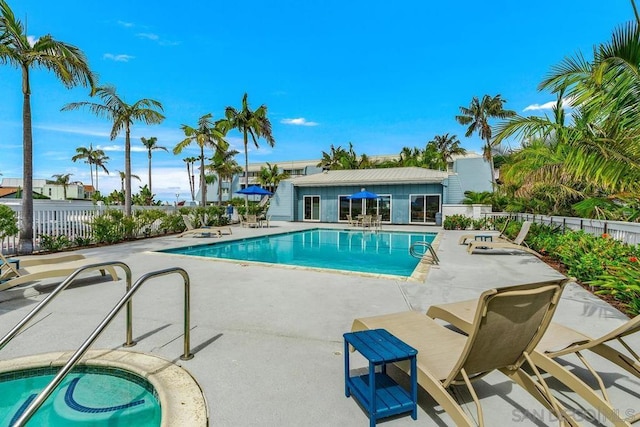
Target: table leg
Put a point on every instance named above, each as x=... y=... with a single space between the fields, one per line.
x=347 y=392
x=372 y=397
x=414 y=388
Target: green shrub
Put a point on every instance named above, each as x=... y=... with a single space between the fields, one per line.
x=8 y=222
x=54 y=243
x=457 y=222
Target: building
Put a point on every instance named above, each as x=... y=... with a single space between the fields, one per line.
x=43 y=187
x=408 y=195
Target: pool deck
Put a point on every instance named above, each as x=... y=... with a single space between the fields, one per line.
x=268 y=340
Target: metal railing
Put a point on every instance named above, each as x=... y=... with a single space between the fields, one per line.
x=426 y=246
x=126 y=299
x=61 y=287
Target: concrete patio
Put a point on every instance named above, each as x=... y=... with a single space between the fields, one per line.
x=268 y=340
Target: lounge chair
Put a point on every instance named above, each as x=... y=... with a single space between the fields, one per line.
x=559 y=340
x=205 y=231
x=33 y=269
x=517 y=244
x=251 y=221
x=445 y=357
x=495 y=234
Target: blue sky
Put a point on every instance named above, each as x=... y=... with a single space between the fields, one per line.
x=378 y=74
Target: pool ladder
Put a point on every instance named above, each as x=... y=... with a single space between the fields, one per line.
x=126 y=299
x=425 y=246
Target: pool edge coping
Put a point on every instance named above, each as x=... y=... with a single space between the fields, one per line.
x=182 y=400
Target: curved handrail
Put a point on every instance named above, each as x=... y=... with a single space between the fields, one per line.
x=61 y=287
x=420 y=255
x=44 y=394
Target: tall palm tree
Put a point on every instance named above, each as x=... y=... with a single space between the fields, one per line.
x=446 y=146
x=100 y=160
x=122 y=115
x=86 y=154
x=254 y=123
x=477 y=117
x=223 y=163
x=62 y=179
x=70 y=66
x=206 y=134
x=123 y=176
x=190 y=164
x=151 y=144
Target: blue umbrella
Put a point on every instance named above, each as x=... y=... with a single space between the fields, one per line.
x=255 y=190
x=364 y=194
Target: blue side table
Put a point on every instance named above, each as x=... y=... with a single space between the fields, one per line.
x=378 y=392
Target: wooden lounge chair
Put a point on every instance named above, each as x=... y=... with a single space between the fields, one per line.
x=445 y=357
x=495 y=234
x=33 y=269
x=559 y=340
x=517 y=244
x=203 y=231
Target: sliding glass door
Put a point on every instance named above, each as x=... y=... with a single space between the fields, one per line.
x=311 y=208
x=424 y=208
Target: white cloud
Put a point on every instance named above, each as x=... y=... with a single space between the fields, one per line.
x=79 y=131
x=125 y=24
x=149 y=36
x=118 y=58
x=32 y=40
x=301 y=121
x=567 y=102
x=120 y=148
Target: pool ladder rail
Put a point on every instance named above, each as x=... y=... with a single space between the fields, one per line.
x=126 y=299
x=420 y=254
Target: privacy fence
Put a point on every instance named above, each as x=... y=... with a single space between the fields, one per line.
x=69 y=218
x=627 y=232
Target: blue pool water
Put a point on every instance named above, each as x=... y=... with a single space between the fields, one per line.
x=379 y=252
x=90 y=396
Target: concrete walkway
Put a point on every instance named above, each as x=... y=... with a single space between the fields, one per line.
x=268 y=340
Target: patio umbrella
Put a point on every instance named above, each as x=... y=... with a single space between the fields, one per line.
x=363 y=194
x=255 y=190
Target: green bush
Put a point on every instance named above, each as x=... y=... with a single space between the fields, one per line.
x=54 y=243
x=457 y=222
x=8 y=222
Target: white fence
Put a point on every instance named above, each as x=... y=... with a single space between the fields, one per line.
x=627 y=232
x=69 y=218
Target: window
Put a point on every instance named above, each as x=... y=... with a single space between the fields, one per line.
x=424 y=208
x=380 y=206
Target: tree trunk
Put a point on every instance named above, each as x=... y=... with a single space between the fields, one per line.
x=203 y=183
x=150 y=191
x=246 y=172
x=127 y=171
x=490 y=159
x=25 y=244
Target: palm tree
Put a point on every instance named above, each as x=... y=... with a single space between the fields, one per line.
x=477 y=116
x=62 y=179
x=123 y=176
x=99 y=159
x=86 y=154
x=151 y=144
x=254 y=123
x=223 y=163
x=206 y=134
x=69 y=65
x=190 y=161
x=270 y=176
x=446 y=146
x=122 y=115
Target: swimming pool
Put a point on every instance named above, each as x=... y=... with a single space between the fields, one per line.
x=87 y=396
x=381 y=252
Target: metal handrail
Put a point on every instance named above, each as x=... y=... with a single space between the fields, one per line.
x=61 y=287
x=414 y=253
x=44 y=394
